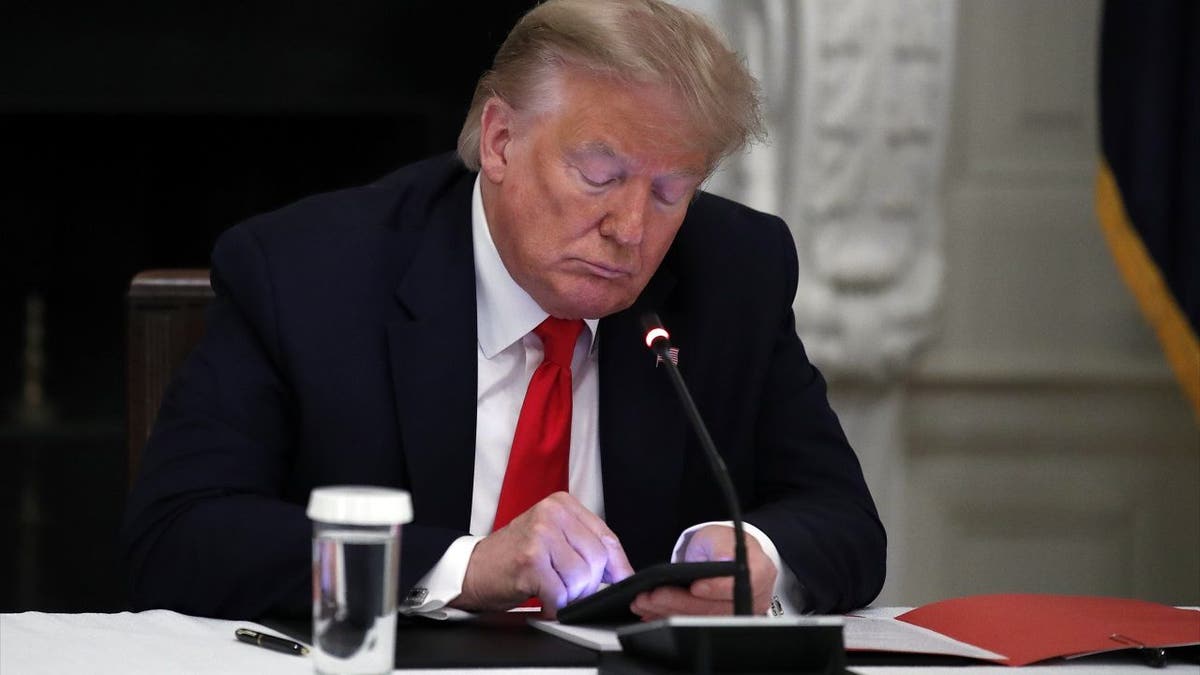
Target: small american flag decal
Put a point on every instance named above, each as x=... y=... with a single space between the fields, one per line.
x=672 y=353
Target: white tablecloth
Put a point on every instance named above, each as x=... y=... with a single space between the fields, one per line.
x=157 y=642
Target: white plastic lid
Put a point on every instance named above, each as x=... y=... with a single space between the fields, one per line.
x=359 y=505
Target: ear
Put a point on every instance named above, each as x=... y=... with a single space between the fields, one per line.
x=495 y=138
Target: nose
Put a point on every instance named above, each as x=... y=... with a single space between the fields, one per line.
x=625 y=220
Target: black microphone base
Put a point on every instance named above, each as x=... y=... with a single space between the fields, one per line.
x=730 y=644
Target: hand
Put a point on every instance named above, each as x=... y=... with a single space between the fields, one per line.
x=713 y=595
x=557 y=551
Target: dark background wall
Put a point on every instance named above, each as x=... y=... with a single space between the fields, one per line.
x=130 y=137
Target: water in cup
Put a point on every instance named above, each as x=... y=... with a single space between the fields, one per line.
x=354 y=611
x=355 y=575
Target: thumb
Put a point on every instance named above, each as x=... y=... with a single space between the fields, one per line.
x=714 y=542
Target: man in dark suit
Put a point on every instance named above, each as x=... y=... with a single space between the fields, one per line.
x=395 y=334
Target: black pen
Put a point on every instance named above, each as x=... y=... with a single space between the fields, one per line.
x=1155 y=657
x=279 y=644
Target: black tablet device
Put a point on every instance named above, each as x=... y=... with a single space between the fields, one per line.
x=611 y=604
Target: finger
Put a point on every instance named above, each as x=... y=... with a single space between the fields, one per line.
x=574 y=571
x=651 y=605
x=550 y=589
x=699 y=549
x=548 y=561
x=714 y=542
x=762 y=583
x=721 y=589
x=646 y=615
x=715 y=588
x=760 y=601
x=617 y=568
x=593 y=552
x=574 y=554
x=668 y=601
x=617 y=565
x=642 y=608
x=599 y=547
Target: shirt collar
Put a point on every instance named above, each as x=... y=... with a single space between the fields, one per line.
x=504 y=312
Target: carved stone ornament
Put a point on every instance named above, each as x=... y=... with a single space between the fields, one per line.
x=856 y=99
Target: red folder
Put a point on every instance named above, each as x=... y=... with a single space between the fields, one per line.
x=1027 y=628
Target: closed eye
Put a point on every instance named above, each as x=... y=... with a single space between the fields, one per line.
x=667 y=199
x=596 y=181
x=671 y=194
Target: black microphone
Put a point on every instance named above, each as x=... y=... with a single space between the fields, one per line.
x=659 y=341
x=733 y=644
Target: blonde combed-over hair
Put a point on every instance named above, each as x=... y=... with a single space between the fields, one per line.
x=642 y=41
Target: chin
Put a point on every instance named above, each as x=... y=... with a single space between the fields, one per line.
x=591 y=308
x=589 y=300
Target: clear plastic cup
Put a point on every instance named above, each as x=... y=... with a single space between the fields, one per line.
x=355 y=573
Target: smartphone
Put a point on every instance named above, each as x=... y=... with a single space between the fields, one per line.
x=611 y=604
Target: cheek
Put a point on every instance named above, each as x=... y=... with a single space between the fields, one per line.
x=562 y=213
x=659 y=237
x=569 y=217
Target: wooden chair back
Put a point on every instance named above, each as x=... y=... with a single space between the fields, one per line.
x=165 y=320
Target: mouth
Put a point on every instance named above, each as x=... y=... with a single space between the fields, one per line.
x=604 y=271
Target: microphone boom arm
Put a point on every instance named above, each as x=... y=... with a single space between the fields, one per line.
x=658 y=341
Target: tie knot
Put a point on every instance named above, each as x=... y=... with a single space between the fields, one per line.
x=558 y=339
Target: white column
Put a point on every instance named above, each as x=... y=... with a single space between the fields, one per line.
x=857 y=96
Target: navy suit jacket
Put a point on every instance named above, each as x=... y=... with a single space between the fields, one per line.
x=341 y=349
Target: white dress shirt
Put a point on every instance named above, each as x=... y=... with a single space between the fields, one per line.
x=508 y=354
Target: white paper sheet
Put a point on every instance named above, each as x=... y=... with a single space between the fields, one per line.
x=599 y=639
x=877 y=630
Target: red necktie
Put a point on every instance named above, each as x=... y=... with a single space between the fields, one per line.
x=541 y=448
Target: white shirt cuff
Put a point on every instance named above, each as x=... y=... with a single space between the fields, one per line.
x=444 y=582
x=787 y=589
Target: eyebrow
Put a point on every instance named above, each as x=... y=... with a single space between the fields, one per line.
x=597 y=147
x=603 y=149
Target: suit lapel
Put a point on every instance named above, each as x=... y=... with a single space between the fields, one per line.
x=642 y=432
x=432 y=353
